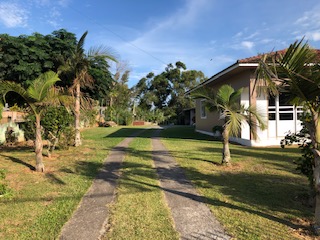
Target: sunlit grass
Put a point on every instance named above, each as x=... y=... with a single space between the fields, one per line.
x=257 y=197
x=140 y=211
x=42 y=202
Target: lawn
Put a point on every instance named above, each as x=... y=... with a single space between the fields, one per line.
x=140 y=211
x=41 y=203
x=260 y=196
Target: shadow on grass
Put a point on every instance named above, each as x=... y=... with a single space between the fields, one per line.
x=54 y=179
x=213 y=202
x=125 y=132
x=280 y=158
x=19 y=161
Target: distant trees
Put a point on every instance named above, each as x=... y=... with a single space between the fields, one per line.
x=165 y=92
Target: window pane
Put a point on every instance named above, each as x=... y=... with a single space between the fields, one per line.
x=286 y=116
x=272 y=116
x=272 y=101
x=284 y=100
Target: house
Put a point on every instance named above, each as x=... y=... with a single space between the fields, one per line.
x=280 y=117
x=11 y=119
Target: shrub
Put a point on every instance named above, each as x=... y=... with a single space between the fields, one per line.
x=4 y=189
x=57 y=127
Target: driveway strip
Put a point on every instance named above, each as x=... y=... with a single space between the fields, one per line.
x=192 y=218
x=89 y=219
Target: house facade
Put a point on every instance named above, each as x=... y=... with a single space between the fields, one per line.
x=280 y=117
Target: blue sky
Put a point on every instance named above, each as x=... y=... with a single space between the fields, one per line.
x=207 y=35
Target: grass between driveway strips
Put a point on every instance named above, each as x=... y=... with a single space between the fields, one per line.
x=258 y=197
x=42 y=202
x=140 y=211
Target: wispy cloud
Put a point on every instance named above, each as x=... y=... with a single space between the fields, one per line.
x=247 y=44
x=13 y=15
x=309 y=25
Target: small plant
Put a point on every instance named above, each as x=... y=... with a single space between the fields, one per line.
x=4 y=188
x=305 y=163
x=217 y=129
x=15 y=108
x=11 y=136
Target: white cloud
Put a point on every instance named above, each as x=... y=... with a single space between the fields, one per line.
x=315 y=35
x=13 y=15
x=247 y=44
x=309 y=25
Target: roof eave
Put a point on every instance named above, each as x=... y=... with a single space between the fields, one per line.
x=221 y=73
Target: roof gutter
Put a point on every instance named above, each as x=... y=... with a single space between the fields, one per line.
x=221 y=73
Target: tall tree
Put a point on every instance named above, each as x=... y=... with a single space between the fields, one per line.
x=77 y=67
x=227 y=102
x=26 y=57
x=40 y=94
x=119 y=97
x=165 y=91
x=296 y=73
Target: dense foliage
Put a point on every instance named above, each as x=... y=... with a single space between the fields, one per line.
x=165 y=93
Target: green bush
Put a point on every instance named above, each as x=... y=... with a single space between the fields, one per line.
x=88 y=117
x=4 y=188
x=56 y=122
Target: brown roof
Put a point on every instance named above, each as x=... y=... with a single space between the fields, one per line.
x=256 y=59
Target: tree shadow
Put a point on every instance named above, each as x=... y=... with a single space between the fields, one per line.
x=19 y=161
x=54 y=179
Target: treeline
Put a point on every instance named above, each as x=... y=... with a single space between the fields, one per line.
x=157 y=98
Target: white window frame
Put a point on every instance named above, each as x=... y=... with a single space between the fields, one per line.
x=203 y=112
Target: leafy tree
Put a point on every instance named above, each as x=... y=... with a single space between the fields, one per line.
x=77 y=68
x=165 y=91
x=118 y=100
x=39 y=95
x=296 y=73
x=26 y=57
x=227 y=101
x=56 y=123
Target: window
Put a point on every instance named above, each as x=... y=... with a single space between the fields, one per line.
x=272 y=108
x=203 y=113
x=280 y=108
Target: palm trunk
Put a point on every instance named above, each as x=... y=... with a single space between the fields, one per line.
x=316 y=170
x=226 y=157
x=77 y=141
x=38 y=146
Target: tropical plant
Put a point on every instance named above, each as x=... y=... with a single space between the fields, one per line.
x=296 y=73
x=77 y=67
x=40 y=94
x=227 y=101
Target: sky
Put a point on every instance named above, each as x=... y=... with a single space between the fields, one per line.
x=206 y=35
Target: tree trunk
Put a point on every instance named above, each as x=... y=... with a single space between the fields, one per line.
x=77 y=141
x=226 y=157
x=38 y=146
x=316 y=170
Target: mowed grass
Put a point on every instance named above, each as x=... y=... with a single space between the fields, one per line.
x=42 y=202
x=139 y=211
x=259 y=197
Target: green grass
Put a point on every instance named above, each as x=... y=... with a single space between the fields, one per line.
x=140 y=211
x=42 y=202
x=257 y=198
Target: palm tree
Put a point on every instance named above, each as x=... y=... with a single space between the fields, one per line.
x=227 y=101
x=78 y=67
x=40 y=94
x=296 y=73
